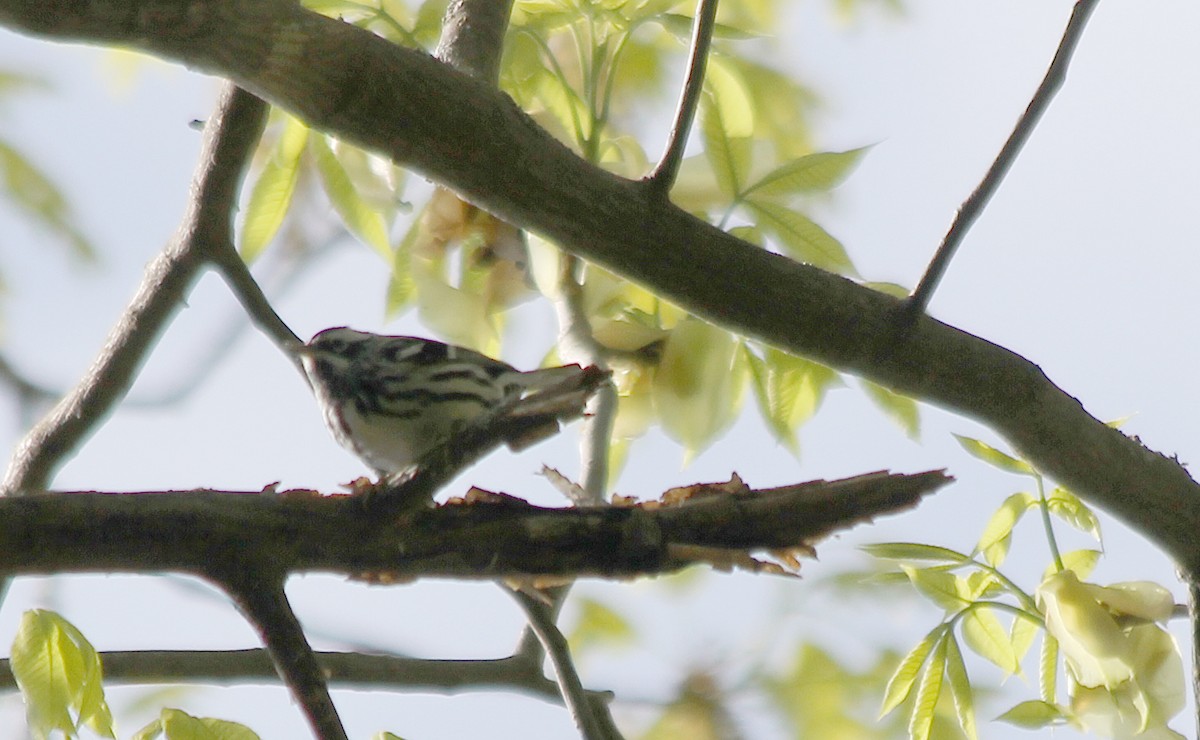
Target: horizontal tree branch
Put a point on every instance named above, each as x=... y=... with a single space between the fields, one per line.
x=213 y=533
x=463 y=133
x=345 y=670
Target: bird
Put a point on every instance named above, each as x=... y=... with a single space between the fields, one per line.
x=392 y=399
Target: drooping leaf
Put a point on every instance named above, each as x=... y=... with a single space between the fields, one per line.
x=271 y=194
x=361 y=219
x=997 y=535
x=920 y=723
x=906 y=673
x=1048 y=669
x=915 y=552
x=726 y=125
x=801 y=237
x=1072 y=510
x=960 y=688
x=899 y=408
x=1033 y=715
x=1082 y=562
x=32 y=191
x=175 y=724
x=943 y=588
x=987 y=637
x=808 y=174
x=994 y=457
x=698 y=383
x=789 y=390
x=59 y=674
x=598 y=625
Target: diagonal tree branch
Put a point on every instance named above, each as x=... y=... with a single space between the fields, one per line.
x=541 y=618
x=667 y=169
x=468 y=136
x=258 y=592
x=970 y=210
x=205 y=232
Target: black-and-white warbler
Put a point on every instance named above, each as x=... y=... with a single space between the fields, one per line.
x=390 y=400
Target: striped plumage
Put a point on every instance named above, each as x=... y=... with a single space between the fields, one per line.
x=390 y=400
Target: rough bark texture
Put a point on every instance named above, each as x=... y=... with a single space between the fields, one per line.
x=214 y=534
x=463 y=133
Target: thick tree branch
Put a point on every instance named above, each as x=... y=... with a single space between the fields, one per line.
x=208 y=533
x=463 y=133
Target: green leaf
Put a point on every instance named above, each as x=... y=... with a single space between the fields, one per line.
x=789 y=390
x=1082 y=562
x=942 y=588
x=680 y=26
x=179 y=725
x=988 y=638
x=994 y=457
x=726 y=125
x=1033 y=715
x=31 y=190
x=920 y=724
x=997 y=535
x=271 y=194
x=899 y=408
x=902 y=680
x=895 y=290
x=960 y=688
x=698 y=383
x=598 y=625
x=1048 y=669
x=1068 y=507
x=808 y=174
x=402 y=288
x=750 y=234
x=801 y=238
x=915 y=552
x=1022 y=635
x=59 y=675
x=360 y=218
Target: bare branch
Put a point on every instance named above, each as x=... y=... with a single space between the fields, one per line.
x=663 y=177
x=970 y=210
x=204 y=233
x=541 y=621
x=258 y=592
x=348 y=670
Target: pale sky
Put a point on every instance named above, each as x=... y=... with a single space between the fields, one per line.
x=1085 y=263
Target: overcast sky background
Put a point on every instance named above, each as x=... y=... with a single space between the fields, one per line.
x=1086 y=263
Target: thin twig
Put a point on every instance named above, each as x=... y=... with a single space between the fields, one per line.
x=261 y=599
x=664 y=174
x=970 y=210
x=356 y=670
x=541 y=622
x=229 y=140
